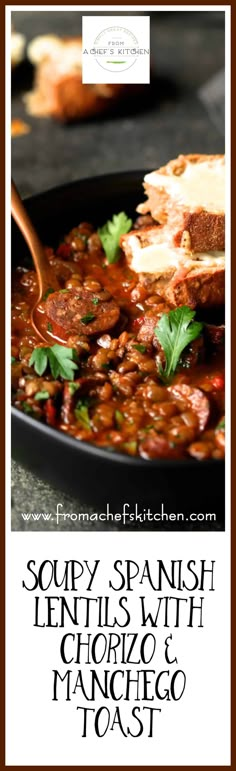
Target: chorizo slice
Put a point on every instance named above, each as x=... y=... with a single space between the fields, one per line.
x=196 y=400
x=146 y=331
x=147 y=335
x=82 y=312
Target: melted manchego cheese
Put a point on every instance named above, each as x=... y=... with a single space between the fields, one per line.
x=162 y=258
x=200 y=184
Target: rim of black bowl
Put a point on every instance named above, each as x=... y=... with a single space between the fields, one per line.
x=106 y=453
x=70 y=441
x=131 y=174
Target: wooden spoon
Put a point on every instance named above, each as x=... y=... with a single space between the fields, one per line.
x=45 y=274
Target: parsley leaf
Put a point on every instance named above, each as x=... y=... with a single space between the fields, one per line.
x=73 y=387
x=175 y=331
x=95 y=301
x=27 y=408
x=41 y=395
x=59 y=358
x=39 y=359
x=221 y=425
x=86 y=319
x=61 y=361
x=13 y=359
x=47 y=293
x=141 y=348
x=119 y=418
x=110 y=235
x=82 y=413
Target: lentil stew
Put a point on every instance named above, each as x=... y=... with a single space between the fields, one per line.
x=112 y=393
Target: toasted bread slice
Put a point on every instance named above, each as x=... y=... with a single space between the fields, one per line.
x=58 y=89
x=180 y=275
x=188 y=195
x=201 y=287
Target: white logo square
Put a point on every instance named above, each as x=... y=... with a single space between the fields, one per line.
x=116 y=49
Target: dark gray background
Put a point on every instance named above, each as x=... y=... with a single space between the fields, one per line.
x=187 y=50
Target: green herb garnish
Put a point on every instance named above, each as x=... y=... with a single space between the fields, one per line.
x=110 y=234
x=49 y=326
x=175 y=331
x=40 y=395
x=131 y=446
x=13 y=359
x=48 y=291
x=95 y=301
x=221 y=425
x=119 y=418
x=86 y=319
x=141 y=348
x=73 y=387
x=59 y=358
x=63 y=291
x=27 y=408
x=82 y=413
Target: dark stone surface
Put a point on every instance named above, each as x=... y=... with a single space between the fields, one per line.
x=187 y=48
x=34 y=506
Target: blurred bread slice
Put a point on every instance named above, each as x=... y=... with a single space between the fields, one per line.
x=189 y=194
x=58 y=89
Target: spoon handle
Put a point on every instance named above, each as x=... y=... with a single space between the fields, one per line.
x=44 y=273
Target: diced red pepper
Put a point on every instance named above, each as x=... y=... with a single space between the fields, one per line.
x=51 y=412
x=137 y=323
x=64 y=251
x=218 y=382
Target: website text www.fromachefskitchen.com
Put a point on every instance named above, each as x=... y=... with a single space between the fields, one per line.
x=117 y=661
x=128 y=515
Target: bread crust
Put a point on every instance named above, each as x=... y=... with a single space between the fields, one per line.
x=178 y=165
x=205 y=229
x=202 y=288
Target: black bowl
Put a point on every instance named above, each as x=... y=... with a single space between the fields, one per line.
x=94 y=475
